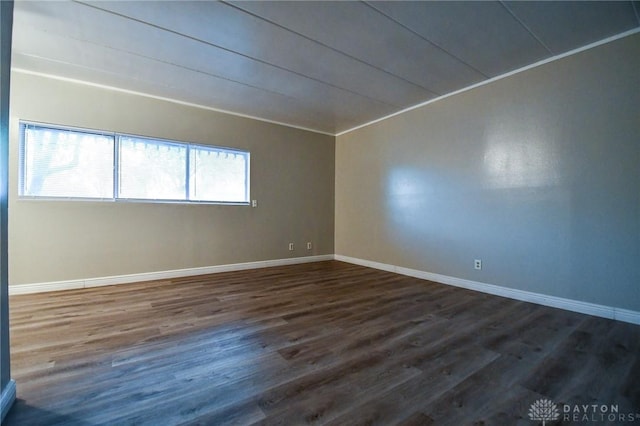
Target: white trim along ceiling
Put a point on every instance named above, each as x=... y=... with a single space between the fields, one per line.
x=329 y=67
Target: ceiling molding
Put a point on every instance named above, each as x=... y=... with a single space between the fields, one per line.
x=293 y=126
x=499 y=77
x=162 y=98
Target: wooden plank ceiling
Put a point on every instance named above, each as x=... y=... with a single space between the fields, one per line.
x=325 y=66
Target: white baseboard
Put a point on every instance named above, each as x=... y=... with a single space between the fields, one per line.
x=160 y=275
x=603 y=311
x=7 y=399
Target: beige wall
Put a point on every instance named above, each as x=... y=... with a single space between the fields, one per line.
x=292 y=177
x=537 y=174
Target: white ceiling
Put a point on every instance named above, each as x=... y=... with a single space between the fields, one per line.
x=326 y=66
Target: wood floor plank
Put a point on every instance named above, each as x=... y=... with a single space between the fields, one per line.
x=318 y=343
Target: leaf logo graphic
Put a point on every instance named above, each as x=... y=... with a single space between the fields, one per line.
x=545 y=410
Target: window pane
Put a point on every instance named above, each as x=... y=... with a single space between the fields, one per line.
x=151 y=169
x=65 y=163
x=218 y=175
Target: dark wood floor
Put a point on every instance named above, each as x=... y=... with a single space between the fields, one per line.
x=327 y=343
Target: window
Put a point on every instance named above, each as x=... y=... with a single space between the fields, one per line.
x=66 y=163
x=152 y=170
x=70 y=163
x=217 y=173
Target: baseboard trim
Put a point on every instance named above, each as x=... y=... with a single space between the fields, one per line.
x=160 y=275
x=7 y=399
x=603 y=311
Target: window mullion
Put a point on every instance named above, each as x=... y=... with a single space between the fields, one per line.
x=187 y=172
x=116 y=166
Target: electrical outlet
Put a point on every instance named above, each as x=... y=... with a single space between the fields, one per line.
x=254 y=203
x=309 y=245
x=477 y=264
x=290 y=246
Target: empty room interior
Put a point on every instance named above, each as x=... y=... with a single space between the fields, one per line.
x=341 y=213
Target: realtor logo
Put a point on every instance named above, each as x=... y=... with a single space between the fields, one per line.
x=545 y=410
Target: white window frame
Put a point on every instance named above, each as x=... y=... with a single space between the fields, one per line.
x=116 y=167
